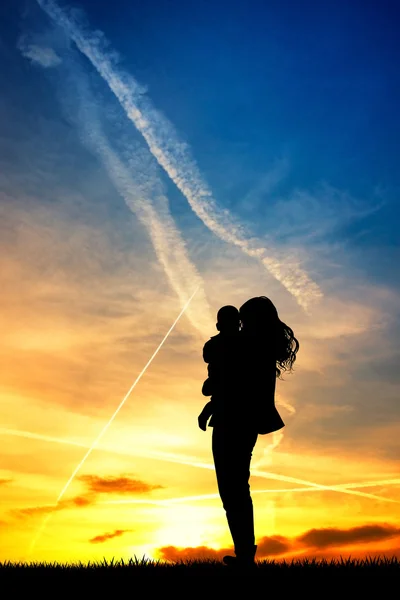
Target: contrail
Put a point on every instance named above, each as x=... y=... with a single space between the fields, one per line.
x=175 y=158
x=39 y=436
x=286 y=478
x=144 y=196
x=198 y=464
x=125 y=398
x=39 y=532
x=328 y=488
x=111 y=419
x=202 y=497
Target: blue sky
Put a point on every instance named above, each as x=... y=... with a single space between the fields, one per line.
x=271 y=80
x=234 y=148
x=290 y=114
x=314 y=88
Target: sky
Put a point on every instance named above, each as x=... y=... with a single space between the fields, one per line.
x=157 y=161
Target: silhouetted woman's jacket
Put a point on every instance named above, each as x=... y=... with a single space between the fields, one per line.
x=243 y=380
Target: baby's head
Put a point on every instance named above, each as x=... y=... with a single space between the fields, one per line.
x=228 y=319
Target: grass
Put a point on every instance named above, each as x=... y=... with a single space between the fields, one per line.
x=146 y=564
x=324 y=578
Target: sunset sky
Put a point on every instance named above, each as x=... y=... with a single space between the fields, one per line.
x=150 y=150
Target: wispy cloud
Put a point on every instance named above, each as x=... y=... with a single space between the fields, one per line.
x=311 y=217
x=255 y=199
x=176 y=159
x=140 y=187
x=117 y=485
x=138 y=183
x=100 y=539
x=43 y=56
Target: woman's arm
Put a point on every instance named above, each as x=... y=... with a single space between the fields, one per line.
x=205 y=415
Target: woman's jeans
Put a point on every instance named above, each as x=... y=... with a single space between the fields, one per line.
x=232 y=449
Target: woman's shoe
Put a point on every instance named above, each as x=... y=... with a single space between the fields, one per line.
x=243 y=558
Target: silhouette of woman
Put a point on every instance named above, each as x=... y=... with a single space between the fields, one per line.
x=244 y=407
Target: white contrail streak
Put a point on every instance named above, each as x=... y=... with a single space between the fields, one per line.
x=39 y=532
x=176 y=459
x=175 y=158
x=143 y=194
x=125 y=398
x=328 y=488
x=286 y=478
x=40 y=437
x=202 y=497
x=115 y=413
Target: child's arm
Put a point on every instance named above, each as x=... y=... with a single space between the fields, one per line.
x=211 y=383
x=207 y=388
x=205 y=415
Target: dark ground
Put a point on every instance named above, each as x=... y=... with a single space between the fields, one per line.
x=322 y=579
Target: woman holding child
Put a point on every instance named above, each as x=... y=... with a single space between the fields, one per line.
x=251 y=350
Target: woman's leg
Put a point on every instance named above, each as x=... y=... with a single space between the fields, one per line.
x=232 y=451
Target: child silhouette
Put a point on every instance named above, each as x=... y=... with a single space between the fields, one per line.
x=228 y=325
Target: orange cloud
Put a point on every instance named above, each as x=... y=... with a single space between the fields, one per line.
x=314 y=542
x=274 y=545
x=82 y=500
x=120 y=485
x=5 y=481
x=324 y=538
x=174 y=554
x=37 y=510
x=99 y=539
x=78 y=501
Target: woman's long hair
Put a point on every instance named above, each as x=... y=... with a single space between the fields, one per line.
x=259 y=317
